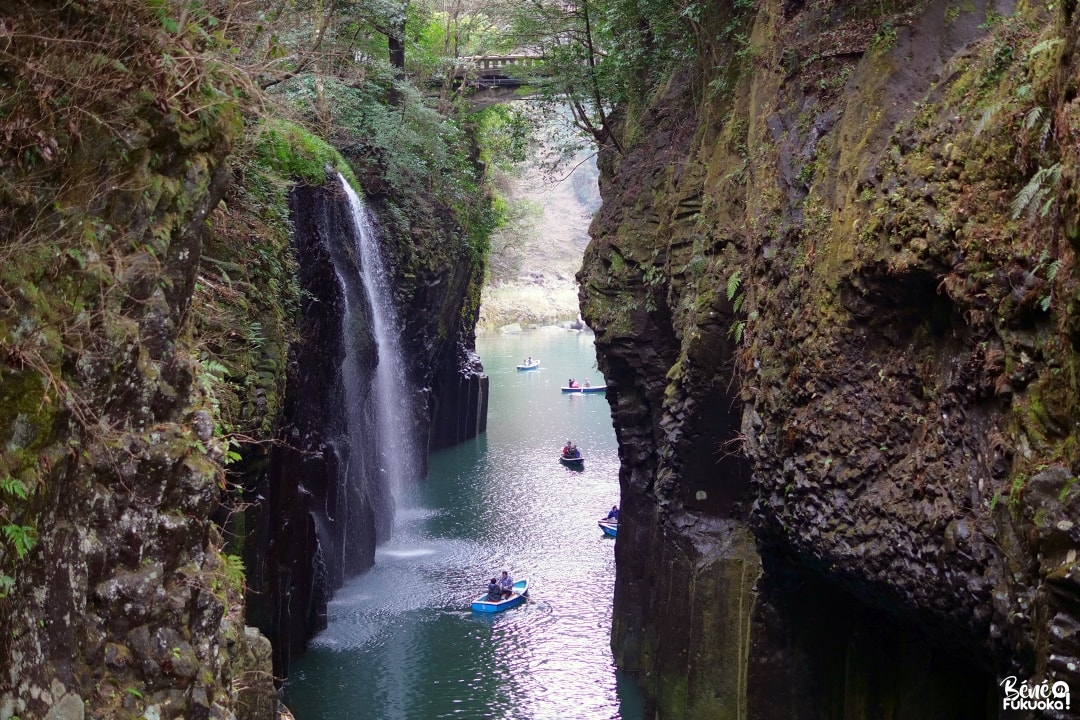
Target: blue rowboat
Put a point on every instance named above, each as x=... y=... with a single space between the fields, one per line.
x=486 y=605
x=529 y=366
x=610 y=527
x=583 y=390
x=574 y=463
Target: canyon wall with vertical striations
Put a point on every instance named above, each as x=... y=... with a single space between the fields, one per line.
x=849 y=447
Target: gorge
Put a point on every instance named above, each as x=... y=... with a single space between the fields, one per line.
x=833 y=286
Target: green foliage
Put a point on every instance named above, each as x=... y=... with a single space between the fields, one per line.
x=738 y=299
x=1044 y=45
x=1016 y=489
x=292 y=152
x=736 y=331
x=503 y=134
x=1038 y=195
x=19 y=538
x=1000 y=62
x=884 y=39
x=15 y=487
x=232 y=573
x=602 y=53
x=411 y=146
x=734 y=280
x=654 y=276
x=1067 y=488
x=438 y=37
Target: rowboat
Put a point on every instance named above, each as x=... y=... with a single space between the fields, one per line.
x=574 y=463
x=610 y=527
x=486 y=605
x=529 y=365
x=589 y=389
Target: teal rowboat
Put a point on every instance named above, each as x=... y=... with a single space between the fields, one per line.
x=484 y=604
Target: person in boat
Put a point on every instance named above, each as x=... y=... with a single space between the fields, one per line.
x=567 y=449
x=613 y=514
x=573 y=383
x=588 y=384
x=494 y=590
x=506 y=584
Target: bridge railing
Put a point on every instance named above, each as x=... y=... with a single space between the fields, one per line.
x=470 y=64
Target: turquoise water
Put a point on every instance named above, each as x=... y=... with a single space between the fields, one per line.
x=402 y=643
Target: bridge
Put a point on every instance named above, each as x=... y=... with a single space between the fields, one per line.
x=494 y=71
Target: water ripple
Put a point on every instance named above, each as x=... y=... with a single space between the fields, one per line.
x=402 y=643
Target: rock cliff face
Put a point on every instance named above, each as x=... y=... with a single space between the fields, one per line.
x=849 y=447
x=116 y=598
x=145 y=362
x=438 y=280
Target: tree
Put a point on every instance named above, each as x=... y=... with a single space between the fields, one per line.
x=457 y=30
x=570 y=38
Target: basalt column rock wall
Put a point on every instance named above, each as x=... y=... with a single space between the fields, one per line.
x=848 y=445
x=438 y=279
x=315 y=513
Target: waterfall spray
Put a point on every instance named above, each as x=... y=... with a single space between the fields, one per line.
x=392 y=391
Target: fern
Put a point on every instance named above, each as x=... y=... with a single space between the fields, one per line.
x=1043 y=46
x=1036 y=190
x=14 y=486
x=733 y=283
x=1033 y=117
x=22 y=537
x=736 y=331
x=987 y=116
x=213 y=367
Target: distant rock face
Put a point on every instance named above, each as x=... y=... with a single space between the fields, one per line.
x=841 y=358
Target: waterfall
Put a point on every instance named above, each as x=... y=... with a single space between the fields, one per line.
x=392 y=393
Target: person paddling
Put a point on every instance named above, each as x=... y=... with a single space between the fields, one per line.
x=506 y=584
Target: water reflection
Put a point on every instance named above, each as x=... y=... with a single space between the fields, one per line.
x=402 y=642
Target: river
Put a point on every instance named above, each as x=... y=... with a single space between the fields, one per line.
x=402 y=643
